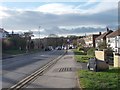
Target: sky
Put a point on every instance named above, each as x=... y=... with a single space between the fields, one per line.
x=68 y=17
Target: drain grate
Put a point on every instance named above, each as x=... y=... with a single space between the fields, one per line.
x=65 y=69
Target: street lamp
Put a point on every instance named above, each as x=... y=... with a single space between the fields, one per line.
x=39 y=35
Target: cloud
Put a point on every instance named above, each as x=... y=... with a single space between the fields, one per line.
x=56 y=8
x=90 y=7
x=32 y=19
x=53 y=15
x=2 y=12
x=75 y=31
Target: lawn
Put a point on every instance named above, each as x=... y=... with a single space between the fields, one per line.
x=80 y=56
x=100 y=80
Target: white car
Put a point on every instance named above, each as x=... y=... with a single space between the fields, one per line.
x=58 y=48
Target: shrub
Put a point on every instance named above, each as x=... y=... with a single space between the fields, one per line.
x=91 y=52
x=102 y=45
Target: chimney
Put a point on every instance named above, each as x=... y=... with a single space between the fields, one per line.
x=100 y=33
x=107 y=29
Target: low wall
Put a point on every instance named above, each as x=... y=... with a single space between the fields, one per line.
x=116 y=60
x=101 y=55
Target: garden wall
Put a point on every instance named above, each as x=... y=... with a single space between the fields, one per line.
x=116 y=60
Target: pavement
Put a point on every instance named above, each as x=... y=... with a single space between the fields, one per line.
x=61 y=75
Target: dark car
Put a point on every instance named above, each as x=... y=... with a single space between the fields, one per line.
x=97 y=65
x=47 y=49
x=70 y=47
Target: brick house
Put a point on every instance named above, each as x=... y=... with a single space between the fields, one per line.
x=102 y=37
x=113 y=40
x=3 y=33
x=90 y=40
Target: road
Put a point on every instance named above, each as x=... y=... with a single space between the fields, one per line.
x=17 y=68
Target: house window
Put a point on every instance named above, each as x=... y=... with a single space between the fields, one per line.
x=108 y=40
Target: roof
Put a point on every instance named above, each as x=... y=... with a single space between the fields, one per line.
x=104 y=35
x=3 y=31
x=114 y=34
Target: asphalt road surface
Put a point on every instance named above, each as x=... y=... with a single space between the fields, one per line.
x=17 y=68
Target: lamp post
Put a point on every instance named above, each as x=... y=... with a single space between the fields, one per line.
x=39 y=36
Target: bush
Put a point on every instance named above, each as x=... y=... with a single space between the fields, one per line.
x=86 y=49
x=102 y=45
x=80 y=48
x=91 y=52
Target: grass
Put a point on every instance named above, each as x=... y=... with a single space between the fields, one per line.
x=80 y=56
x=100 y=80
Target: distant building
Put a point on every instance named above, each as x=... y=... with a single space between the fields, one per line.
x=113 y=40
x=90 y=40
x=13 y=35
x=102 y=37
x=80 y=42
x=3 y=33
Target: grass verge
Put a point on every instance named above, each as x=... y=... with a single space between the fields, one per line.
x=80 y=56
x=100 y=80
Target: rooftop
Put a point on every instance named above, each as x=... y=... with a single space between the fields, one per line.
x=2 y=30
x=104 y=35
x=113 y=34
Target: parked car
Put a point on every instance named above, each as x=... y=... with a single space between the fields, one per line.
x=49 y=48
x=97 y=65
x=59 y=48
x=70 y=47
x=64 y=47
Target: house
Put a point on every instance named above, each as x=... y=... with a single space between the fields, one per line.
x=102 y=37
x=113 y=40
x=80 y=42
x=90 y=40
x=3 y=33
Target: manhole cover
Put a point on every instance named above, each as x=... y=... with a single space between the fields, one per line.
x=65 y=69
x=68 y=57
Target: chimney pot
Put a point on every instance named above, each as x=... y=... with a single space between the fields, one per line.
x=107 y=29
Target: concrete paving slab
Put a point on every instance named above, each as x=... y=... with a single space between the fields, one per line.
x=58 y=79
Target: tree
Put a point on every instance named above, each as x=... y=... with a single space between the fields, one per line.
x=102 y=45
x=74 y=42
x=91 y=51
x=27 y=36
x=53 y=35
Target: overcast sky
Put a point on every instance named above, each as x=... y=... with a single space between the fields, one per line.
x=61 y=18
